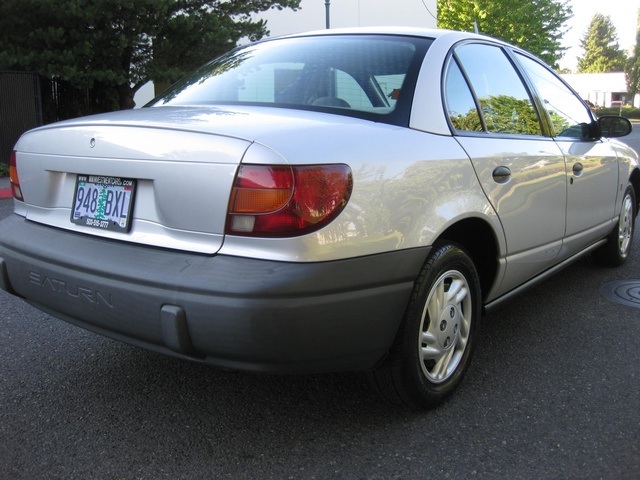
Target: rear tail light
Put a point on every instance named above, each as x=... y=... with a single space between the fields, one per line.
x=285 y=201
x=13 y=175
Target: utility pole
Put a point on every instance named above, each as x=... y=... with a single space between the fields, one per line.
x=327 y=6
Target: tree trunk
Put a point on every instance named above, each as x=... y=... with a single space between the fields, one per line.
x=125 y=97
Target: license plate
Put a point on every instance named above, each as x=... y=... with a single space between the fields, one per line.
x=103 y=202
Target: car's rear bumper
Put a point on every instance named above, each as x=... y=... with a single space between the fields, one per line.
x=227 y=311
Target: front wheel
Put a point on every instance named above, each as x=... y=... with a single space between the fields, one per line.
x=618 y=246
x=434 y=344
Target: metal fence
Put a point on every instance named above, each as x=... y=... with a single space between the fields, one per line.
x=20 y=108
x=61 y=100
x=28 y=100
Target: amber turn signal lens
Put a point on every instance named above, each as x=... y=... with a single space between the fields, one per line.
x=257 y=200
x=261 y=189
x=13 y=176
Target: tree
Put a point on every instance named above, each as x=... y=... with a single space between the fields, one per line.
x=116 y=46
x=535 y=25
x=601 y=50
x=633 y=66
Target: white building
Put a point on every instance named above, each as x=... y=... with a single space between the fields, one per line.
x=601 y=89
x=351 y=13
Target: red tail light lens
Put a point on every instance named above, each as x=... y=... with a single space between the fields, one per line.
x=13 y=176
x=285 y=201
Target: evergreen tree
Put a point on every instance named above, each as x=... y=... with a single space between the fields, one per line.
x=116 y=46
x=535 y=25
x=601 y=50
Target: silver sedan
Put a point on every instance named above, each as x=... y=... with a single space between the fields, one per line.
x=339 y=200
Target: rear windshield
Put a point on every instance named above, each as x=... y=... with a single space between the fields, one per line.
x=365 y=76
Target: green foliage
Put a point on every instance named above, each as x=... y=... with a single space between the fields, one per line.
x=601 y=50
x=469 y=122
x=626 y=112
x=502 y=114
x=506 y=114
x=535 y=25
x=632 y=69
x=119 y=45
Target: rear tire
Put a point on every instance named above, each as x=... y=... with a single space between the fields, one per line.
x=615 y=252
x=435 y=342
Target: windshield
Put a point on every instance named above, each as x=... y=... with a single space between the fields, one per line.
x=367 y=76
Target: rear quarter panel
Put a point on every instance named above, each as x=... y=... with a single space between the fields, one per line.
x=408 y=187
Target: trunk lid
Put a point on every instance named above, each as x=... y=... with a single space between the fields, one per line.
x=183 y=174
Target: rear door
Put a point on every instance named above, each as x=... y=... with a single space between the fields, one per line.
x=521 y=170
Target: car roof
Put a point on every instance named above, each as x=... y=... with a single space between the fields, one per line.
x=433 y=33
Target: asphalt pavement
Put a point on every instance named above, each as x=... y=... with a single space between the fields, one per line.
x=552 y=393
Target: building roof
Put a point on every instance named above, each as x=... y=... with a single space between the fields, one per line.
x=597 y=82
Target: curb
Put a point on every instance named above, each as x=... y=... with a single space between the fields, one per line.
x=5 y=194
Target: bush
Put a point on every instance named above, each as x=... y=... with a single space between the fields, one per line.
x=627 y=112
x=4 y=170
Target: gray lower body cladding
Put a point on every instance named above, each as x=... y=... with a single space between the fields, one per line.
x=231 y=312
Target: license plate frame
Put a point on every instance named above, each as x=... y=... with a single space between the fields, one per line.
x=103 y=202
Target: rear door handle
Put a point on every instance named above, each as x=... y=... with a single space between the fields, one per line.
x=501 y=174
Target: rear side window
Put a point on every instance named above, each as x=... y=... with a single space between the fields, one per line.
x=569 y=116
x=461 y=107
x=505 y=104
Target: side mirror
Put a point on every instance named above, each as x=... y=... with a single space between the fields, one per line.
x=614 y=126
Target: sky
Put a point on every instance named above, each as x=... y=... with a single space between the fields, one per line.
x=418 y=13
